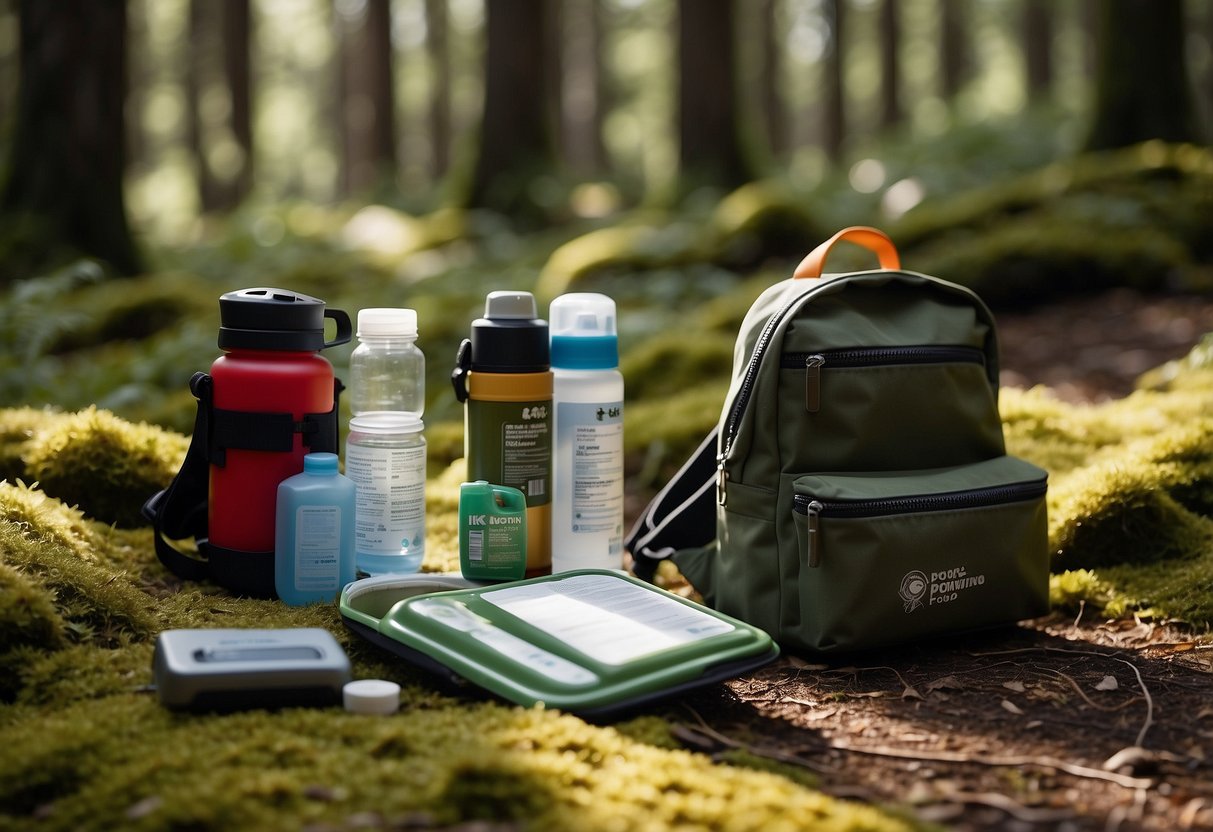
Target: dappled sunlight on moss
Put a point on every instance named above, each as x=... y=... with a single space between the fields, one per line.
x=100 y=759
x=105 y=465
x=43 y=519
x=81 y=602
x=18 y=427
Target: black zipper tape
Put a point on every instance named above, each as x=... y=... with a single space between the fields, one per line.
x=985 y=497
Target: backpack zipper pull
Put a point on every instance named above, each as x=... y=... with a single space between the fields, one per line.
x=812 y=382
x=722 y=479
x=812 y=510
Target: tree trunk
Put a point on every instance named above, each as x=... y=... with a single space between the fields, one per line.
x=581 y=110
x=1141 y=85
x=68 y=151
x=218 y=59
x=1038 y=47
x=709 y=136
x=516 y=142
x=834 y=122
x=891 y=112
x=953 y=51
x=237 y=74
x=367 y=97
x=770 y=74
x=438 y=50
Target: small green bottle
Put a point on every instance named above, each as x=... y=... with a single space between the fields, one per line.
x=492 y=532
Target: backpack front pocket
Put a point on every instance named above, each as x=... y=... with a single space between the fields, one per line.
x=875 y=408
x=888 y=557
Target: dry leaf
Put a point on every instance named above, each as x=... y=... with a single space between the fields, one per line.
x=1108 y=683
x=801 y=664
x=910 y=693
x=1015 y=686
x=950 y=682
x=1008 y=705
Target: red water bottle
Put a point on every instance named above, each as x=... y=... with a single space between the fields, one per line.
x=274 y=401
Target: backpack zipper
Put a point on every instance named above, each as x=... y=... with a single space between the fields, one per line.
x=747 y=385
x=993 y=495
x=853 y=357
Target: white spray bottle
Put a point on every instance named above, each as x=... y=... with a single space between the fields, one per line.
x=587 y=458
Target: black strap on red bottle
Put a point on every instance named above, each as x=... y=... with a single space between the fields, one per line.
x=179 y=512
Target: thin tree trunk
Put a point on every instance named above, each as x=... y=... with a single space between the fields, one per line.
x=516 y=141
x=198 y=54
x=367 y=97
x=771 y=78
x=708 y=129
x=68 y=150
x=218 y=57
x=1038 y=47
x=891 y=112
x=834 y=123
x=581 y=113
x=953 y=53
x=237 y=73
x=438 y=50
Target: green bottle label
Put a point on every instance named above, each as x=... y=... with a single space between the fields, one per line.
x=510 y=443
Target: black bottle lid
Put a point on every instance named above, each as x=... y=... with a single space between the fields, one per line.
x=277 y=319
x=510 y=338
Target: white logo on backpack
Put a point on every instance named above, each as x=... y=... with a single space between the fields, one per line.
x=941 y=588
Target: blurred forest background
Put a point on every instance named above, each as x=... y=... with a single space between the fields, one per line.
x=677 y=154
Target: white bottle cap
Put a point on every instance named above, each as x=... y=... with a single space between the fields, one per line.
x=582 y=315
x=371 y=696
x=381 y=322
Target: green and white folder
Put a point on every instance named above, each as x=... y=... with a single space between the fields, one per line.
x=592 y=642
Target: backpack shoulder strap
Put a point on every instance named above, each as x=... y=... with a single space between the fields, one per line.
x=179 y=511
x=681 y=516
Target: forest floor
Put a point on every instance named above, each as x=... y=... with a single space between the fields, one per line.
x=1061 y=723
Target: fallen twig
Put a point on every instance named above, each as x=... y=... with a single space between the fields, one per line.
x=1141 y=735
x=1000 y=762
x=1087 y=699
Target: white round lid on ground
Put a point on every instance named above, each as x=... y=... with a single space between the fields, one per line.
x=371 y=696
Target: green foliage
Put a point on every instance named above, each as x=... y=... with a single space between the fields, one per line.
x=105 y=465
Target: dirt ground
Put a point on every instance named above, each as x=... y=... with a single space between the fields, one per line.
x=1059 y=723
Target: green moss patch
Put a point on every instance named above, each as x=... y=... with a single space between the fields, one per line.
x=105 y=465
x=81 y=602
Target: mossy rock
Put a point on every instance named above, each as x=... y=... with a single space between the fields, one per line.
x=679 y=361
x=1025 y=260
x=1158 y=169
x=18 y=427
x=133 y=309
x=1136 y=217
x=105 y=465
x=643 y=244
x=761 y=220
x=28 y=617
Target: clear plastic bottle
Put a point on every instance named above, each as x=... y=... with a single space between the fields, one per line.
x=385 y=457
x=387 y=370
x=314 y=533
x=587 y=459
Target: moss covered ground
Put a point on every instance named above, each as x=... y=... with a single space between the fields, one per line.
x=82 y=598
x=93 y=383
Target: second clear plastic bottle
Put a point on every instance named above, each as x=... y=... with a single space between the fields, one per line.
x=387 y=369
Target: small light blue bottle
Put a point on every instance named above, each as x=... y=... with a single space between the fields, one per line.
x=314 y=533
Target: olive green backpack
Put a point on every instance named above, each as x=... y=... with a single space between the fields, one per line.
x=856 y=491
